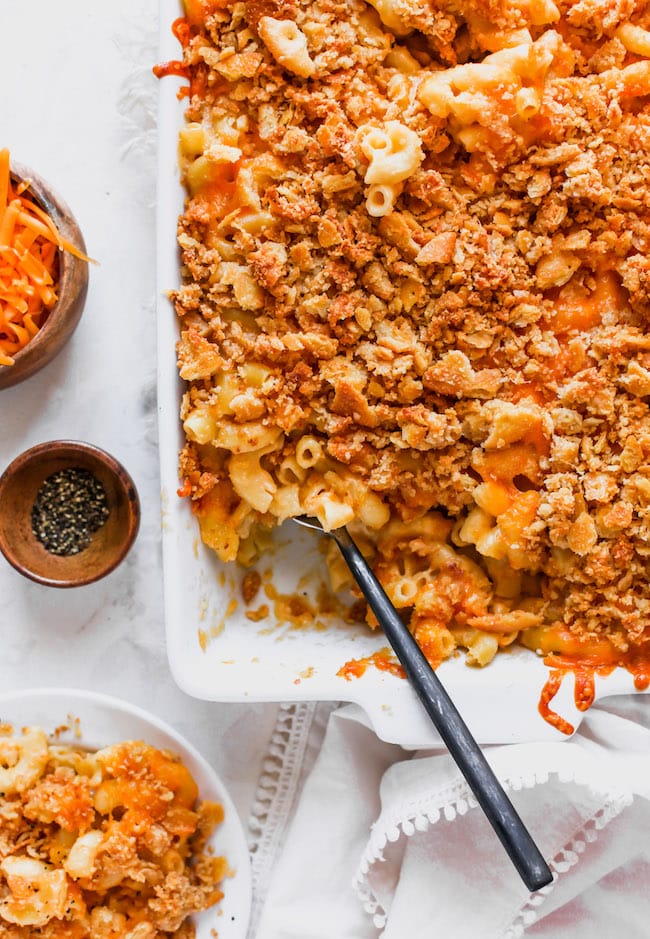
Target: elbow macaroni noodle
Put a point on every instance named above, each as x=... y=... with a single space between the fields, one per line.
x=398 y=287
x=393 y=152
x=287 y=44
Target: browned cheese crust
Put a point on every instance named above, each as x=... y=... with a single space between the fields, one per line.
x=476 y=358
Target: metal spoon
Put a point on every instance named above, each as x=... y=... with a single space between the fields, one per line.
x=489 y=793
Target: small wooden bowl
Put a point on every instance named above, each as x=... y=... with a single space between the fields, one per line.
x=108 y=546
x=72 y=286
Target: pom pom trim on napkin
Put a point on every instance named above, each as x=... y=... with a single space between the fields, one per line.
x=424 y=809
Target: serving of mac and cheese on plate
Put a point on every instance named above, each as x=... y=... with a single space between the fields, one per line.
x=414 y=302
x=105 y=835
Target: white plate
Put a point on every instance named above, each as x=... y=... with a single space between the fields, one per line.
x=263 y=661
x=103 y=721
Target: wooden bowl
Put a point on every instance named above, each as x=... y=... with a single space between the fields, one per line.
x=72 y=286
x=19 y=486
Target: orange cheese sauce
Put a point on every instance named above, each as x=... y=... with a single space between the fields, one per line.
x=173 y=67
x=502 y=466
x=182 y=31
x=291 y=608
x=585 y=671
x=302 y=611
x=383 y=659
x=578 y=309
x=511 y=469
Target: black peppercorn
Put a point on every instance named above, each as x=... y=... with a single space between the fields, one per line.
x=70 y=506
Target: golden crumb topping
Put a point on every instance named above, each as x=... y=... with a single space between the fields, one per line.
x=415 y=301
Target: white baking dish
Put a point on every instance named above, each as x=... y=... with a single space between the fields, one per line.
x=268 y=660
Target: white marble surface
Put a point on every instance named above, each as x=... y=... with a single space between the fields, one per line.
x=78 y=105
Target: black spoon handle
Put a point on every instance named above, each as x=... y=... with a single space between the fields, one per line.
x=489 y=793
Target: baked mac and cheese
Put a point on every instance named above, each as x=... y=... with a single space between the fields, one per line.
x=415 y=302
x=104 y=845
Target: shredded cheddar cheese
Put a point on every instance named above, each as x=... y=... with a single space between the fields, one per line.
x=29 y=246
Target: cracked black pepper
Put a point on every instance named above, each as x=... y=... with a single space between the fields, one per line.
x=69 y=508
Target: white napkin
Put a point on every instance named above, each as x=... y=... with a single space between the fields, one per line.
x=387 y=843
